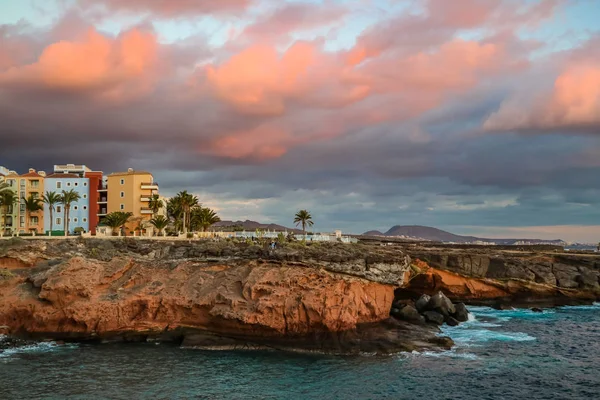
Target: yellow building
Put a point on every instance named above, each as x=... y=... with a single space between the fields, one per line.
x=30 y=184
x=130 y=192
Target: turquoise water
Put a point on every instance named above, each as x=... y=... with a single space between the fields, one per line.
x=514 y=354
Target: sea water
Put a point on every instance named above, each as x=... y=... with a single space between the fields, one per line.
x=510 y=354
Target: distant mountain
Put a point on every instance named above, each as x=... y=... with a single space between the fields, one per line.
x=373 y=233
x=437 y=235
x=253 y=225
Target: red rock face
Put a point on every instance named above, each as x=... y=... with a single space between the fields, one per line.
x=474 y=290
x=94 y=298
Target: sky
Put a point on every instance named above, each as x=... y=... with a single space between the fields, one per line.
x=480 y=117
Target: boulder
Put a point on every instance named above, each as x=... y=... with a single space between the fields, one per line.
x=434 y=317
x=461 y=314
x=421 y=304
x=409 y=313
x=440 y=303
x=451 y=321
x=537 y=309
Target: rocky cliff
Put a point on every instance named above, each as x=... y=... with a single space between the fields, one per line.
x=208 y=295
x=500 y=277
x=332 y=298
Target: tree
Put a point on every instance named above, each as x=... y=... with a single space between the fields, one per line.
x=51 y=199
x=8 y=199
x=303 y=218
x=32 y=204
x=155 y=204
x=4 y=186
x=181 y=206
x=160 y=222
x=116 y=220
x=67 y=198
x=204 y=218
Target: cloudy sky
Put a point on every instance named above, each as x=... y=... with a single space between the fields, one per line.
x=476 y=116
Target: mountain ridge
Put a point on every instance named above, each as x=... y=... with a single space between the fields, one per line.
x=428 y=233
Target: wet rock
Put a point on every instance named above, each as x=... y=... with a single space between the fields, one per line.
x=537 y=310
x=434 y=317
x=409 y=313
x=461 y=314
x=451 y=321
x=442 y=304
x=422 y=302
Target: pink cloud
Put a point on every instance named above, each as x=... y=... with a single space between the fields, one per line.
x=442 y=19
x=97 y=64
x=262 y=143
x=573 y=101
x=171 y=8
x=293 y=17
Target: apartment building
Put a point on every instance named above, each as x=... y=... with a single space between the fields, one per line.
x=11 y=213
x=96 y=195
x=130 y=192
x=30 y=184
x=79 y=214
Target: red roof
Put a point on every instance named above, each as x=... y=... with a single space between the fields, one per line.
x=31 y=175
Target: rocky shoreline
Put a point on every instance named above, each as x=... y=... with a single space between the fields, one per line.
x=326 y=298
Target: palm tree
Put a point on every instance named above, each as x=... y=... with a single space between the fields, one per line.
x=51 y=199
x=182 y=205
x=67 y=198
x=303 y=217
x=32 y=204
x=155 y=203
x=160 y=222
x=116 y=220
x=204 y=218
x=8 y=199
x=4 y=186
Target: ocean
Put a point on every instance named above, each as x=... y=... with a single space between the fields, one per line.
x=510 y=354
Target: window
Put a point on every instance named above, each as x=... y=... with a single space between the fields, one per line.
x=68 y=183
x=59 y=185
x=85 y=220
x=74 y=219
x=85 y=207
x=22 y=221
x=122 y=206
x=34 y=221
x=122 y=194
x=122 y=181
x=75 y=208
x=58 y=221
x=58 y=209
x=84 y=183
x=76 y=184
x=85 y=196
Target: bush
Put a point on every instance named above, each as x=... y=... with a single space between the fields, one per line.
x=4 y=273
x=190 y=235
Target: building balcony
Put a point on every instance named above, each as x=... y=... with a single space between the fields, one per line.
x=149 y=186
x=102 y=201
x=145 y=198
x=146 y=211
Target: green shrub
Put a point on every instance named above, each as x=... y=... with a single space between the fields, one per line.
x=4 y=273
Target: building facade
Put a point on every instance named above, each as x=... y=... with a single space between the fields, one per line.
x=96 y=192
x=79 y=214
x=30 y=184
x=130 y=192
x=10 y=212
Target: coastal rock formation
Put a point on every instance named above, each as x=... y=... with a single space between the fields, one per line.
x=495 y=277
x=132 y=290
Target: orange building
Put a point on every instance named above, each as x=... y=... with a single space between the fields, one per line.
x=30 y=184
x=130 y=192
